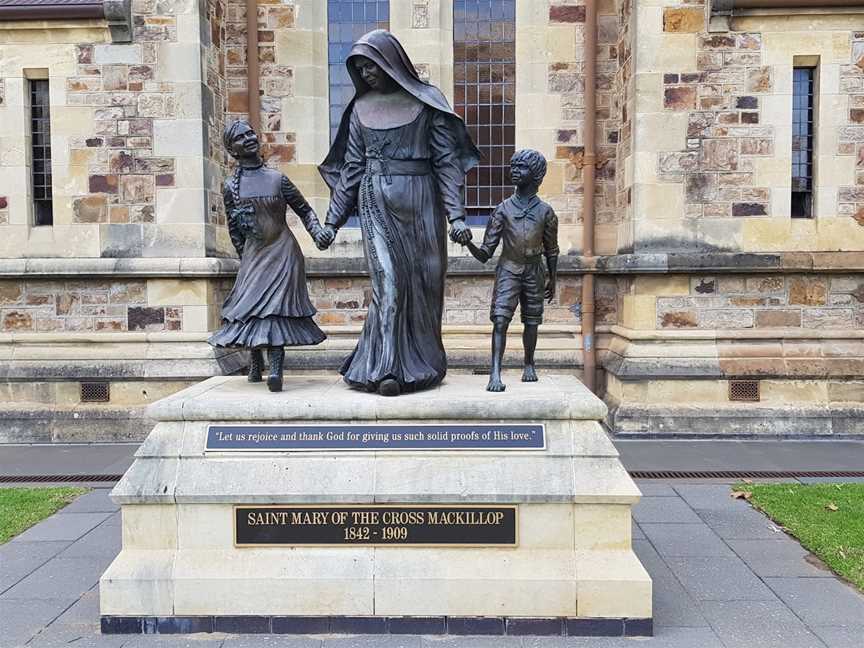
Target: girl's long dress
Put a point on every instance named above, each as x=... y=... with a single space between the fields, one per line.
x=269 y=304
x=406 y=184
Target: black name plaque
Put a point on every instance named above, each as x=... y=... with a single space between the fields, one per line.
x=256 y=526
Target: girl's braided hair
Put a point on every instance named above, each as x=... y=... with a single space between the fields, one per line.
x=243 y=213
x=228 y=135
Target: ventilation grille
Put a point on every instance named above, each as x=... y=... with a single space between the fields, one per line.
x=74 y=479
x=743 y=474
x=746 y=391
x=95 y=392
x=635 y=474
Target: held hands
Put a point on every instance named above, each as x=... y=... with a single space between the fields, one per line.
x=324 y=237
x=460 y=232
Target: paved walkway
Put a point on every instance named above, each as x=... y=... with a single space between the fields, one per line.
x=724 y=577
x=636 y=454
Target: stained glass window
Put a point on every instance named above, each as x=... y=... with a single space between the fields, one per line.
x=348 y=20
x=802 y=141
x=484 y=60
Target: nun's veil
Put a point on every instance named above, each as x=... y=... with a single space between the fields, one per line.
x=381 y=47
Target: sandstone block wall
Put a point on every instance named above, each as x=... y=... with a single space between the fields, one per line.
x=702 y=274
x=128 y=137
x=111 y=305
x=713 y=133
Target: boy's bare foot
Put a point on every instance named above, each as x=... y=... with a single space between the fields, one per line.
x=529 y=374
x=495 y=384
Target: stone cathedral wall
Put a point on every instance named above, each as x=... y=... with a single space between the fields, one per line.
x=702 y=276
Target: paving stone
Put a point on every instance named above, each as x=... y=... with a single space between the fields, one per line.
x=766 y=624
x=467 y=642
x=707 y=496
x=664 y=509
x=558 y=642
x=685 y=540
x=637 y=533
x=663 y=638
x=163 y=641
x=17 y=559
x=115 y=519
x=779 y=557
x=820 y=601
x=103 y=541
x=741 y=524
x=77 y=637
x=62 y=526
x=672 y=606
x=65 y=578
x=96 y=501
x=270 y=641
x=392 y=641
x=840 y=637
x=373 y=641
x=709 y=578
x=655 y=489
x=22 y=619
x=84 y=612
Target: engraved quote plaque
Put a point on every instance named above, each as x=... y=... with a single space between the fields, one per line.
x=374 y=437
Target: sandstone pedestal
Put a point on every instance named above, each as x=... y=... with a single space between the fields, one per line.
x=572 y=571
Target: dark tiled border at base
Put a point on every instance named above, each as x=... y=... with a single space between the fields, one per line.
x=304 y=625
x=475 y=625
x=638 y=627
x=299 y=625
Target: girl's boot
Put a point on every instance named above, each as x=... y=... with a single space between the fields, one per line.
x=256 y=365
x=277 y=358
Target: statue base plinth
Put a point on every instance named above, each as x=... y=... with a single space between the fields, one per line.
x=572 y=569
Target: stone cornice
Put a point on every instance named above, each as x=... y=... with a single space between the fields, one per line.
x=702 y=263
x=139 y=267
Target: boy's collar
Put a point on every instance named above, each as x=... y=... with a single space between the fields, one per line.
x=524 y=204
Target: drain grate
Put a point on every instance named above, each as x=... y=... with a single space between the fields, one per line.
x=741 y=474
x=635 y=474
x=22 y=479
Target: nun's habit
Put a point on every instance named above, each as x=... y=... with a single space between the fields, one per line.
x=405 y=184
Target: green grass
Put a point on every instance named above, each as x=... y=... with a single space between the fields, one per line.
x=21 y=508
x=807 y=512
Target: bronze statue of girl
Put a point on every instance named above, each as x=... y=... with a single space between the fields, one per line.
x=269 y=305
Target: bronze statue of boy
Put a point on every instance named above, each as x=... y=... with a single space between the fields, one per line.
x=529 y=228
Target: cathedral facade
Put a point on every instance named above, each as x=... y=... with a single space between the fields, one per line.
x=712 y=283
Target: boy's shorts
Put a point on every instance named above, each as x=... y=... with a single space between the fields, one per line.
x=524 y=288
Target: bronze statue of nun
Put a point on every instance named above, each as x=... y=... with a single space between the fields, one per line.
x=399 y=161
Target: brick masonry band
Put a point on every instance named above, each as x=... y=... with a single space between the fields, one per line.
x=439 y=625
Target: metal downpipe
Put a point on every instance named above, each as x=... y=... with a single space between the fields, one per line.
x=589 y=347
x=253 y=77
